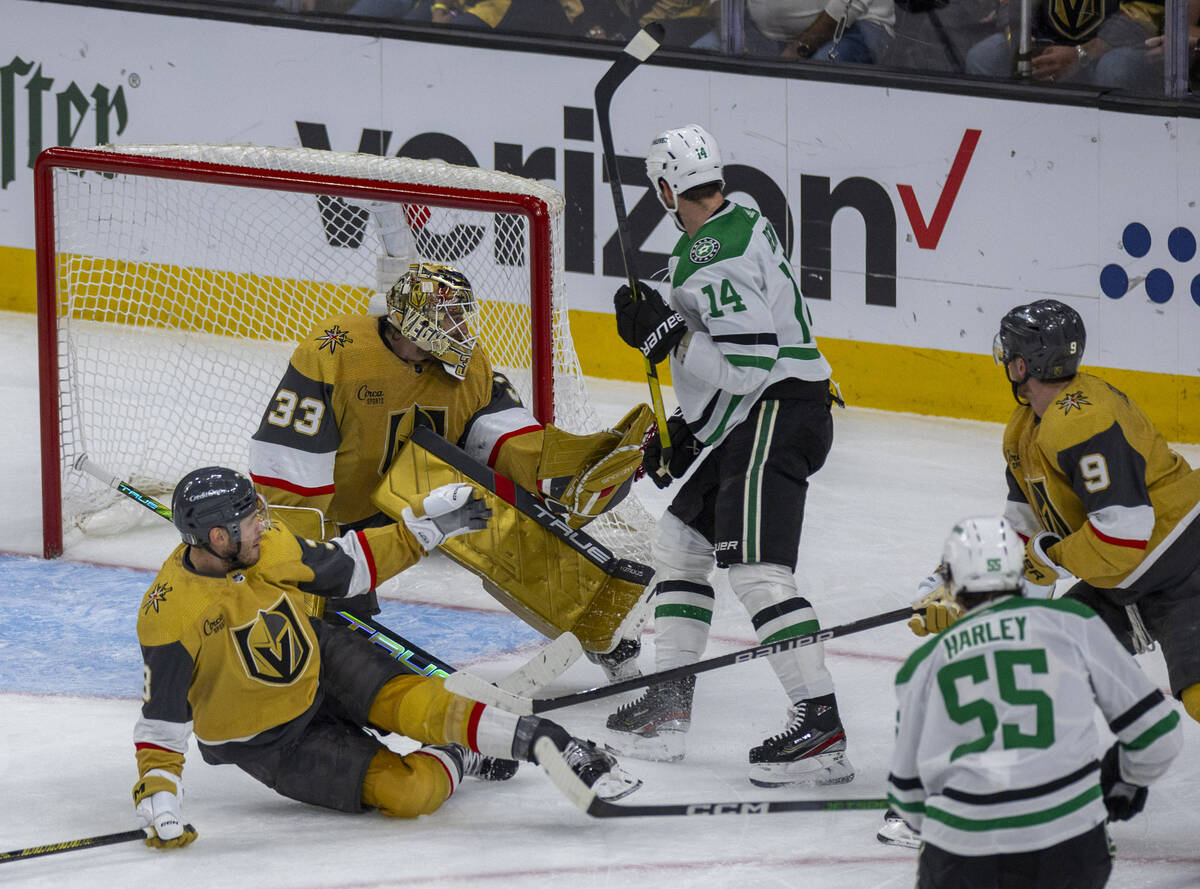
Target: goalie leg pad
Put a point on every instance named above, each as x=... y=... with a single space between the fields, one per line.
x=538 y=576
x=769 y=595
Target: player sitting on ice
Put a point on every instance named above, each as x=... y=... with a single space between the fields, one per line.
x=356 y=384
x=996 y=760
x=230 y=657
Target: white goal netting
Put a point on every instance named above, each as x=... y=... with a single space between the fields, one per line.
x=183 y=275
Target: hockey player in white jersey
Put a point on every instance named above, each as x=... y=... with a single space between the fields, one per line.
x=998 y=760
x=754 y=394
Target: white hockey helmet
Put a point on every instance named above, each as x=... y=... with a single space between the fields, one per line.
x=984 y=555
x=684 y=158
x=433 y=305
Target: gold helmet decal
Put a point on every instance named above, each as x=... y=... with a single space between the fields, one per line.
x=433 y=306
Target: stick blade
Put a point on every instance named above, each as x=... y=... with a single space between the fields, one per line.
x=550 y=662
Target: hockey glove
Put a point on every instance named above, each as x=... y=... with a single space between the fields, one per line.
x=685 y=448
x=941 y=609
x=1122 y=799
x=1040 y=570
x=162 y=810
x=647 y=323
x=447 y=512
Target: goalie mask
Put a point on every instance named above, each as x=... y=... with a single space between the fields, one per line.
x=433 y=306
x=982 y=558
x=215 y=497
x=683 y=158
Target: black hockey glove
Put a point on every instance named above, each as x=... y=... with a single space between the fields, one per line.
x=647 y=323
x=685 y=448
x=1122 y=799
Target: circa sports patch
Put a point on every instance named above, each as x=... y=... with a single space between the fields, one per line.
x=704 y=250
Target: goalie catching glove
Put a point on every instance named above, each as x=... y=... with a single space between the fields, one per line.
x=647 y=323
x=446 y=512
x=940 y=607
x=158 y=804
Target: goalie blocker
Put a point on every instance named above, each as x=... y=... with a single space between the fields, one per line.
x=554 y=577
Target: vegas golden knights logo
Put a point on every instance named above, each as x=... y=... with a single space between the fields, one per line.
x=273 y=647
x=1052 y=521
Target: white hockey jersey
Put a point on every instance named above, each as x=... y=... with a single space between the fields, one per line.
x=996 y=739
x=750 y=325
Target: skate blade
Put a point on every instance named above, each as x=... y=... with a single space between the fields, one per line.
x=817 y=771
x=663 y=747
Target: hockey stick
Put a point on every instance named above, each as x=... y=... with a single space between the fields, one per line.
x=551 y=760
x=107 y=839
x=545 y=666
x=640 y=48
x=471 y=686
x=580 y=541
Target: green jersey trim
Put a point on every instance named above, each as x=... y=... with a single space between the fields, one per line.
x=732 y=231
x=1031 y=819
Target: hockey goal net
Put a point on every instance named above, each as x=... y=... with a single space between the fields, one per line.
x=174 y=281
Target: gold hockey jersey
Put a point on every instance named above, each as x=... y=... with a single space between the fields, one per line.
x=1097 y=473
x=337 y=418
x=234 y=657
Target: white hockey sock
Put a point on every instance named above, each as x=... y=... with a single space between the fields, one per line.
x=778 y=612
x=494 y=733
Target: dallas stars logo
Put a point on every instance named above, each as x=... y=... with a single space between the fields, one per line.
x=155 y=597
x=334 y=337
x=1076 y=400
x=704 y=250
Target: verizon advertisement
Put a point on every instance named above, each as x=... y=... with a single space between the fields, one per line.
x=915 y=220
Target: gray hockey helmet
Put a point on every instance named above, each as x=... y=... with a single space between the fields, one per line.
x=212 y=497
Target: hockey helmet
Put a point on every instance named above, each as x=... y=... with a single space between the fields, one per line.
x=983 y=555
x=684 y=158
x=1048 y=334
x=433 y=306
x=214 y=497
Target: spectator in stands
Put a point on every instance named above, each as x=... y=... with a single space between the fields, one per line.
x=528 y=16
x=683 y=20
x=857 y=31
x=1156 y=48
x=1102 y=44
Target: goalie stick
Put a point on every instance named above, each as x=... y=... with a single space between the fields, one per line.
x=580 y=541
x=106 y=839
x=640 y=48
x=544 y=667
x=471 y=686
x=555 y=766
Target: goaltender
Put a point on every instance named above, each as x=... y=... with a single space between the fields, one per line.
x=230 y=657
x=357 y=384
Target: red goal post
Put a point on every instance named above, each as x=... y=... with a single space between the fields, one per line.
x=174 y=280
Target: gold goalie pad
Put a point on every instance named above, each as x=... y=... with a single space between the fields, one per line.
x=589 y=474
x=536 y=573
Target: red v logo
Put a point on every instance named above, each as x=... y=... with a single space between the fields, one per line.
x=928 y=234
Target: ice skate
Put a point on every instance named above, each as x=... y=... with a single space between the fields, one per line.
x=599 y=770
x=810 y=750
x=895 y=832
x=620 y=663
x=653 y=726
x=476 y=765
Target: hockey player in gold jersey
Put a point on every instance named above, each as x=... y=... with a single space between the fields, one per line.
x=1098 y=494
x=355 y=385
x=230 y=656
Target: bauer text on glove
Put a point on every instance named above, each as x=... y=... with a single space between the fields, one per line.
x=1040 y=569
x=648 y=324
x=447 y=512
